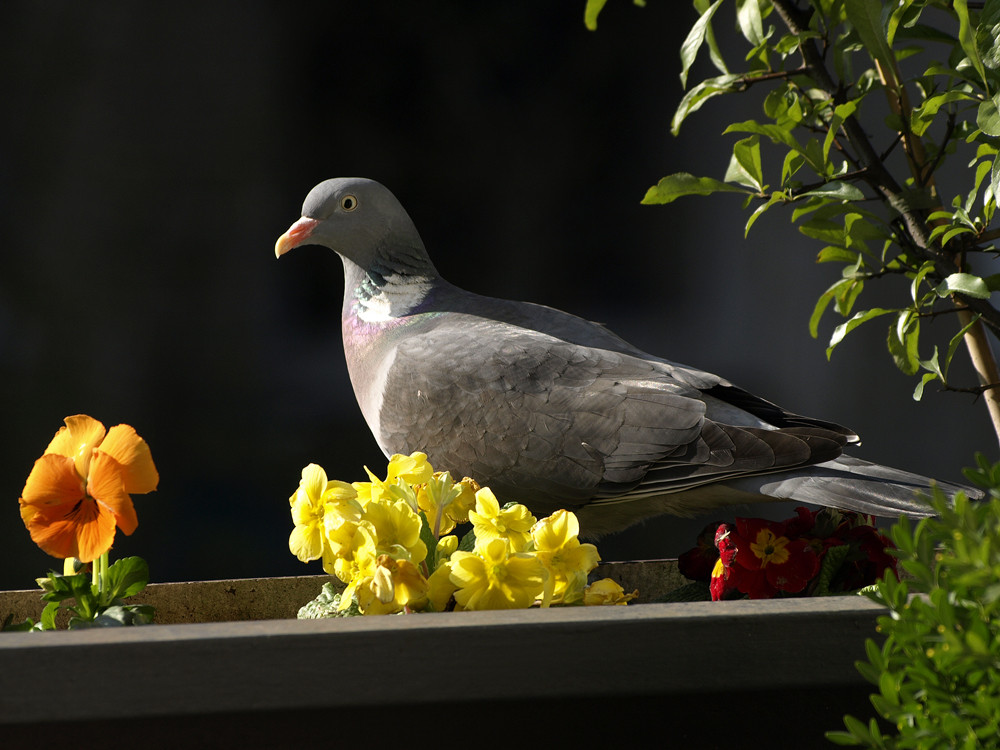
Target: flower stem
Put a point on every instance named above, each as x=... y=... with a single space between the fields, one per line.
x=99 y=573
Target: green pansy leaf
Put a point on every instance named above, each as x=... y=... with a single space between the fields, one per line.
x=126 y=577
x=674 y=186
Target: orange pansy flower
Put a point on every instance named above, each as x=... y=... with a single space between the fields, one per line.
x=79 y=491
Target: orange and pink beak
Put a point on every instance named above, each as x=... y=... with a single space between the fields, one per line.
x=297 y=233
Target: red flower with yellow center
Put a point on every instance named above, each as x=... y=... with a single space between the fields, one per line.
x=769 y=562
x=78 y=492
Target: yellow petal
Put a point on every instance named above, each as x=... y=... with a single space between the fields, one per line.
x=107 y=486
x=306 y=542
x=313 y=482
x=131 y=452
x=77 y=440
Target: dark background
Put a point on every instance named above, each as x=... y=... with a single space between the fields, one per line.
x=150 y=155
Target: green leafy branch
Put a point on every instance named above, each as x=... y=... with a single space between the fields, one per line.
x=92 y=604
x=937 y=665
x=825 y=71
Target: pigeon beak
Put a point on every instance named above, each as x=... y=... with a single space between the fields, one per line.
x=297 y=234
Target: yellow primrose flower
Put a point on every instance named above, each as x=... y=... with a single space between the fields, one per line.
x=606 y=591
x=306 y=539
x=490 y=522
x=496 y=578
x=358 y=567
x=412 y=469
x=445 y=502
x=567 y=560
x=394 y=586
x=396 y=529
x=315 y=498
x=446 y=545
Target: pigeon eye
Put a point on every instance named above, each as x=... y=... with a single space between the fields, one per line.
x=348 y=203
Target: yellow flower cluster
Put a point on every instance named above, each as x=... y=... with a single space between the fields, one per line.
x=389 y=541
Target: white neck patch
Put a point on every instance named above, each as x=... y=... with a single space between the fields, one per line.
x=396 y=298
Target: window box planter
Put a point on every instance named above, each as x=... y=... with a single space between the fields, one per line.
x=700 y=674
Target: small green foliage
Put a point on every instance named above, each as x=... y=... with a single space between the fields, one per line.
x=327 y=604
x=937 y=666
x=92 y=606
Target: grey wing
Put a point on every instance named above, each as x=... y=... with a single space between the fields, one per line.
x=533 y=417
x=555 y=424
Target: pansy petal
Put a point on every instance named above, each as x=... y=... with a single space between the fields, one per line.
x=85 y=530
x=77 y=440
x=53 y=481
x=131 y=452
x=107 y=486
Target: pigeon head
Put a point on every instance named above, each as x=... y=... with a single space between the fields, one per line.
x=359 y=219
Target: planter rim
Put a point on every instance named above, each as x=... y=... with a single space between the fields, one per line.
x=572 y=652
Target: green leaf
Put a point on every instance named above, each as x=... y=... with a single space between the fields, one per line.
x=833 y=254
x=845 y=328
x=468 y=542
x=696 y=97
x=745 y=167
x=988 y=117
x=793 y=163
x=967 y=38
x=47 y=620
x=777 y=133
x=963 y=283
x=832 y=561
x=837 y=190
x=956 y=341
x=775 y=198
x=714 y=52
x=126 y=577
x=694 y=40
x=674 y=186
x=925 y=269
x=902 y=342
x=840 y=113
x=921 y=117
x=590 y=13
x=750 y=22
x=866 y=17
x=842 y=738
